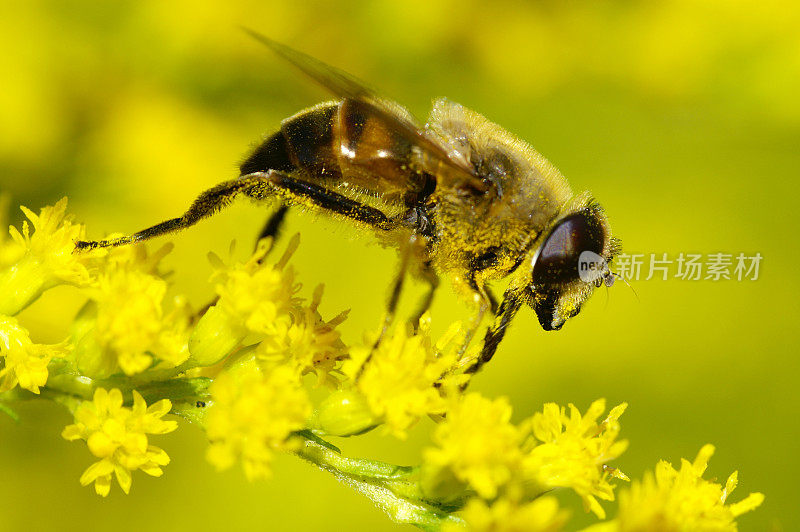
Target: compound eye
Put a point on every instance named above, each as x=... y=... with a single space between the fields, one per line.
x=558 y=258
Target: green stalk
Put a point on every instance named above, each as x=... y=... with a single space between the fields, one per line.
x=391 y=488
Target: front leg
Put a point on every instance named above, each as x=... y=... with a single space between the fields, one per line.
x=485 y=301
x=511 y=303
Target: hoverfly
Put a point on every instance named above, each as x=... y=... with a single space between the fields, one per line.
x=459 y=196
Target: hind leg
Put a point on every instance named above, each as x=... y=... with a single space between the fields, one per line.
x=207 y=204
x=257 y=186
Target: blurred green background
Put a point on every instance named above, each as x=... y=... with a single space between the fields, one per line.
x=682 y=117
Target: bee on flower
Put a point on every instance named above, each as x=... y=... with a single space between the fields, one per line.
x=241 y=369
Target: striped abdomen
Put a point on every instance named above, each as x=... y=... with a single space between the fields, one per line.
x=347 y=146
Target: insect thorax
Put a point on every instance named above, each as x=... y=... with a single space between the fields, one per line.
x=526 y=193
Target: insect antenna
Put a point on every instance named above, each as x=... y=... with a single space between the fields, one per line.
x=629 y=285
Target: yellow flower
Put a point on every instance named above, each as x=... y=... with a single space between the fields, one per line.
x=540 y=515
x=172 y=345
x=671 y=500
x=130 y=325
x=24 y=362
x=254 y=297
x=571 y=451
x=53 y=242
x=477 y=443
x=253 y=414
x=129 y=317
x=42 y=258
x=118 y=436
x=261 y=296
x=311 y=344
x=480 y=446
x=398 y=378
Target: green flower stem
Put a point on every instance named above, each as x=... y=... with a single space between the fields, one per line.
x=392 y=488
x=153 y=375
x=174 y=389
x=72 y=385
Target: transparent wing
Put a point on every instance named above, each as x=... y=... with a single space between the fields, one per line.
x=342 y=85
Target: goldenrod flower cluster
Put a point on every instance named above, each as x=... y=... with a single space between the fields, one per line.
x=309 y=345
x=670 y=499
x=242 y=368
x=401 y=379
x=33 y=261
x=117 y=435
x=540 y=515
x=254 y=414
x=127 y=325
x=479 y=446
x=24 y=362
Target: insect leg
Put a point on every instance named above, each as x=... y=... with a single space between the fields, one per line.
x=274 y=223
x=484 y=304
x=429 y=276
x=495 y=333
x=258 y=186
x=492 y=300
x=306 y=193
x=394 y=297
x=485 y=300
x=397 y=287
x=208 y=203
x=272 y=227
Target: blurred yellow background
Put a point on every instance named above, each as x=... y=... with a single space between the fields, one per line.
x=682 y=117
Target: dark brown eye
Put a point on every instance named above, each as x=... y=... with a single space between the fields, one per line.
x=558 y=259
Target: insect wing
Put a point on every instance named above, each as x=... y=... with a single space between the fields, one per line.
x=435 y=157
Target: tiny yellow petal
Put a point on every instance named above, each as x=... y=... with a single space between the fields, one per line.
x=96 y=470
x=748 y=504
x=102 y=485
x=123 y=478
x=72 y=432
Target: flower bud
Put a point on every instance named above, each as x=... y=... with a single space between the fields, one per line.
x=215 y=336
x=344 y=413
x=89 y=355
